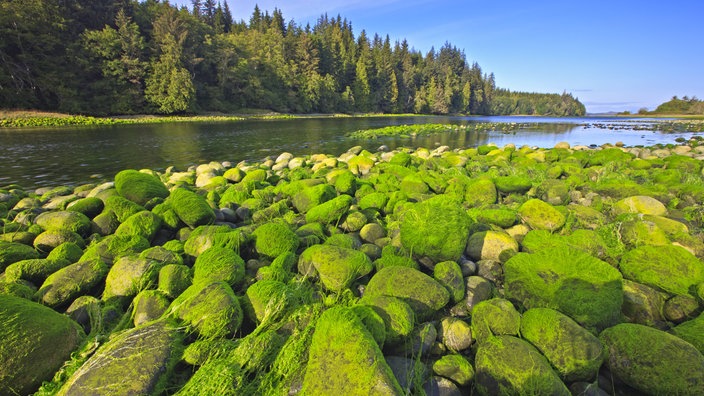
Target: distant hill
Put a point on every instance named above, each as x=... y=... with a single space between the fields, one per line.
x=685 y=105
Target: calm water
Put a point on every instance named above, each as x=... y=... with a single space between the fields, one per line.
x=72 y=156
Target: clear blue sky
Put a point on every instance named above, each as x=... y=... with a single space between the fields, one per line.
x=613 y=55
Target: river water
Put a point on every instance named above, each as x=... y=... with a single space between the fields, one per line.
x=71 y=156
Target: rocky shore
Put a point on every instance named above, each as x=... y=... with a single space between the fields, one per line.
x=489 y=270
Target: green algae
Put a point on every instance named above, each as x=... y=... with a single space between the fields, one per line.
x=275 y=239
x=139 y=187
x=219 y=264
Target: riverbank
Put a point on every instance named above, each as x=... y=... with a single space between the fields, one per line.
x=489 y=270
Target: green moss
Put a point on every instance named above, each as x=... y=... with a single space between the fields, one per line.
x=211 y=310
x=216 y=376
x=390 y=257
x=219 y=264
x=48 y=240
x=345 y=359
x=34 y=270
x=669 y=268
x=652 y=361
x=397 y=315
x=274 y=239
x=149 y=305
x=494 y=317
x=503 y=218
x=139 y=187
x=692 y=331
x=575 y=353
x=541 y=215
x=424 y=294
x=584 y=288
x=69 y=282
x=346 y=183
x=64 y=221
x=608 y=155
x=330 y=211
x=512 y=184
x=11 y=252
x=122 y=207
x=145 y=224
x=201 y=351
x=205 y=237
x=454 y=367
x=336 y=267
x=129 y=275
x=68 y=251
x=254 y=175
x=191 y=208
x=161 y=255
x=374 y=323
x=309 y=197
x=376 y=201
x=449 y=274
x=105 y=223
x=90 y=206
x=174 y=279
x=113 y=247
x=437 y=228
x=36 y=341
x=267 y=300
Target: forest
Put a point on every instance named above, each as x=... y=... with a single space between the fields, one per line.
x=112 y=57
x=680 y=106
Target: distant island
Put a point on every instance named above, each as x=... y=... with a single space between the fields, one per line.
x=676 y=106
x=150 y=57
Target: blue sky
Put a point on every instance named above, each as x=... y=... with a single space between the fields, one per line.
x=614 y=55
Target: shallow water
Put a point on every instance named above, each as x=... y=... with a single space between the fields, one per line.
x=72 y=156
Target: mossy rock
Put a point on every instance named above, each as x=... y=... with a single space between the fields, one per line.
x=68 y=251
x=89 y=206
x=413 y=184
x=69 y=282
x=145 y=224
x=336 y=267
x=33 y=270
x=219 y=264
x=390 y=257
x=191 y=208
x=347 y=241
x=376 y=201
x=669 y=268
x=424 y=294
x=455 y=334
x=211 y=310
x=575 y=353
x=113 y=247
x=575 y=283
x=554 y=192
x=339 y=359
x=494 y=317
x=481 y=193
x=217 y=376
x=48 y=240
x=454 y=367
x=139 y=187
x=507 y=365
x=169 y=218
x=149 y=305
x=309 y=197
x=205 y=237
x=346 y=183
x=129 y=275
x=692 y=331
x=36 y=341
x=653 y=361
x=437 y=228
x=254 y=175
x=274 y=239
x=608 y=155
x=64 y=221
x=374 y=323
x=139 y=361
x=490 y=245
x=586 y=217
x=643 y=304
x=449 y=274
x=122 y=207
x=330 y=211
x=11 y=252
x=503 y=218
x=398 y=317
x=267 y=300
x=639 y=204
x=512 y=184
x=360 y=165
x=636 y=232
x=105 y=223
x=541 y=215
x=174 y=279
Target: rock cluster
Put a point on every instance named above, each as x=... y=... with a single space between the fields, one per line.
x=442 y=272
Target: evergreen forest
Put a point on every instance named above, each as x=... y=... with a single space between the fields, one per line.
x=109 y=57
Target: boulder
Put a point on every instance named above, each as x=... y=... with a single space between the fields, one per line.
x=113 y=247
x=489 y=245
x=309 y=197
x=513 y=184
x=541 y=215
x=507 y=365
x=61 y=287
x=122 y=207
x=11 y=252
x=205 y=237
x=145 y=224
x=669 y=268
x=130 y=275
x=495 y=317
x=480 y=193
x=219 y=264
x=574 y=352
x=424 y=294
x=64 y=221
x=398 y=317
x=36 y=341
x=336 y=267
x=68 y=251
x=408 y=372
x=692 y=331
x=653 y=361
x=34 y=270
x=575 y=283
x=639 y=204
x=454 y=367
x=274 y=239
x=49 y=240
x=449 y=274
x=191 y=208
x=345 y=359
x=372 y=321
x=149 y=305
x=330 y=211
x=643 y=304
x=174 y=279
x=211 y=310
x=455 y=333
x=139 y=187
x=267 y=300
x=89 y=206
x=138 y=361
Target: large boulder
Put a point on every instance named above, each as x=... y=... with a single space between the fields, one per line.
x=136 y=362
x=424 y=294
x=344 y=359
x=507 y=365
x=437 y=228
x=669 y=268
x=309 y=197
x=575 y=353
x=139 y=187
x=337 y=267
x=267 y=299
x=211 y=310
x=573 y=282
x=640 y=204
x=330 y=211
x=36 y=341
x=653 y=361
x=398 y=317
x=145 y=224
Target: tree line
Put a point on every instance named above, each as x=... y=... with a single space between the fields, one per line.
x=684 y=105
x=127 y=57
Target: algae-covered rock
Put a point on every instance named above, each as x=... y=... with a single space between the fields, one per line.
x=507 y=365
x=494 y=317
x=136 y=362
x=139 y=187
x=680 y=308
x=449 y=274
x=113 y=247
x=503 y=218
x=267 y=299
x=640 y=204
x=423 y=293
x=372 y=232
x=541 y=215
x=72 y=281
x=33 y=270
x=275 y=239
x=575 y=353
x=174 y=279
x=345 y=359
x=211 y=310
x=309 y=197
x=512 y=184
x=149 y=305
x=653 y=361
x=64 y=221
x=692 y=331
x=575 y=283
x=11 y=252
x=643 y=304
x=330 y=211
x=217 y=376
x=36 y=341
x=122 y=207
x=489 y=245
x=48 y=240
x=68 y=251
x=337 y=267
x=130 y=275
x=219 y=264
x=105 y=223
x=145 y=224
x=437 y=228
x=397 y=315
x=191 y=208
x=480 y=193
x=454 y=367
x=669 y=268
x=205 y=237
x=455 y=333
x=372 y=321
x=89 y=206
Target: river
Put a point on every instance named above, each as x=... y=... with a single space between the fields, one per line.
x=71 y=156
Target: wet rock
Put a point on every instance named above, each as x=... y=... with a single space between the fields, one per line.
x=191 y=208
x=541 y=215
x=69 y=282
x=130 y=275
x=398 y=317
x=274 y=239
x=489 y=245
x=440 y=386
x=692 y=331
x=219 y=264
x=211 y=310
x=149 y=305
x=48 y=240
x=449 y=274
x=337 y=267
x=669 y=268
x=454 y=367
x=456 y=334
x=139 y=187
x=64 y=221
x=642 y=304
x=680 y=308
x=494 y=317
